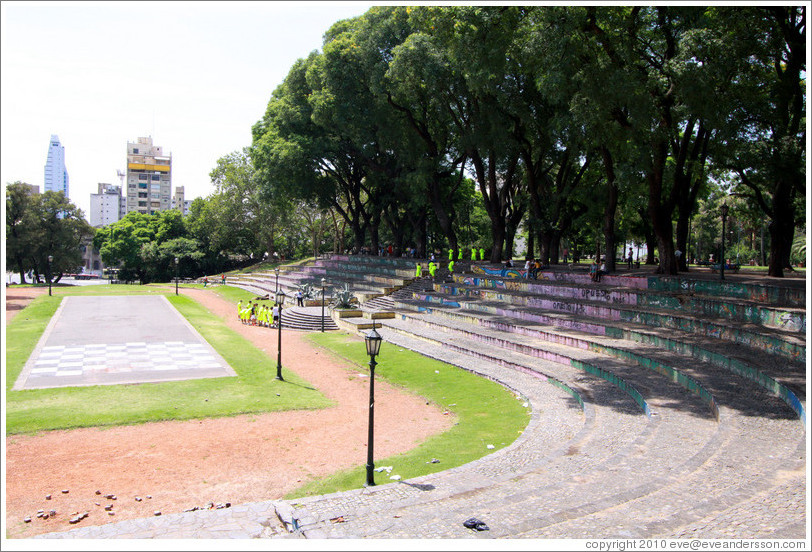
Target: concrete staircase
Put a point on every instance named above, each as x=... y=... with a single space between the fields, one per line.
x=693 y=392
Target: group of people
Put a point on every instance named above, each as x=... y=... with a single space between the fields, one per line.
x=532 y=268
x=595 y=272
x=255 y=313
x=474 y=252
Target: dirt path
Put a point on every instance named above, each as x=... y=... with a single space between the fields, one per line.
x=185 y=464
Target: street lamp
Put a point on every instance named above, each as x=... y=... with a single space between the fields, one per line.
x=276 y=270
x=177 y=261
x=50 y=260
x=280 y=301
x=322 y=304
x=723 y=209
x=373 y=342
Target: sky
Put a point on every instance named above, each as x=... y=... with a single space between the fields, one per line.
x=195 y=76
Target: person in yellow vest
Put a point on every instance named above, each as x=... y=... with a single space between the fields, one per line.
x=432 y=269
x=418 y=268
x=451 y=254
x=451 y=268
x=481 y=253
x=473 y=253
x=459 y=254
x=239 y=309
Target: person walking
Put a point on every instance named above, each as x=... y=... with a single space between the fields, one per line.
x=432 y=269
x=451 y=268
x=418 y=268
x=451 y=254
x=299 y=298
x=481 y=253
x=275 y=314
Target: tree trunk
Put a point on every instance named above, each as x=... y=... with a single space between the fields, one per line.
x=611 y=208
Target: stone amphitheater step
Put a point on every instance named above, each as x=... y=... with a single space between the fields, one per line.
x=754 y=311
x=306 y=319
x=789 y=344
x=660 y=506
x=784 y=379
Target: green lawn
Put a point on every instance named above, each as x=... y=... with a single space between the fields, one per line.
x=486 y=413
x=255 y=388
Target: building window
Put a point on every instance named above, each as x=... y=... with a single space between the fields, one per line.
x=142 y=194
x=135 y=150
x=142 y=203
x=156 y=176
x=143 y=177
x=142 y=185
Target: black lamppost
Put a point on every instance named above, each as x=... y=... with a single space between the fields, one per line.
x=280 y=301
x=177 y=261
x=322 y=304
x=50 y=260
x=373 y=342
x=276 y=270
x=723 y=209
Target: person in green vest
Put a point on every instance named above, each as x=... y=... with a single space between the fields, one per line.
x=459 y=255
x=473 y=253
x=451 y=267
x=418 y=268
x=481 y=253
x=239 y=310
x=451 y=254
x=432 y=269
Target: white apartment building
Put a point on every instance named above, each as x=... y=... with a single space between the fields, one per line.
x=149 y=177
x=56 y=175
x=107 y=206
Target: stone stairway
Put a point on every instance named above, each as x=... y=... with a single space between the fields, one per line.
x=724 y=415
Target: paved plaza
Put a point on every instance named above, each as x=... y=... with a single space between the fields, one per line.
x=116 y=340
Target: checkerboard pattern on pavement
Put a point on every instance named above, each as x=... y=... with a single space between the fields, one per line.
x=60 y=361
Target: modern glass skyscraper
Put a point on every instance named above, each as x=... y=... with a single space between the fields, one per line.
x=56 y=175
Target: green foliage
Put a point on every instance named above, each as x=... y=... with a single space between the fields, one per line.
x=43 y=225
x=343 y=298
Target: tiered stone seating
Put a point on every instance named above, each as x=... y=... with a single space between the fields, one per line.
x=708 y=407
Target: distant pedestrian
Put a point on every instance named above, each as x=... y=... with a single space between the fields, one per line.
x=473 y=253
x=205 y=281
x=451 y=267
x=299 y=298
x=432 y=269
x=275 y=314
x=418 y=268
x=481 y=253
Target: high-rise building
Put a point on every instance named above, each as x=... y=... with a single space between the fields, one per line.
x=107 y=206
x=149 y=177
x=179 y=202
x=56 y=175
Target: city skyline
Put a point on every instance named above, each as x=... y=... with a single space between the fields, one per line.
x=192 y=76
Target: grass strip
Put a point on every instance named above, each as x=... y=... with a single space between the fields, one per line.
x=487 y=413
x=254 y=390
